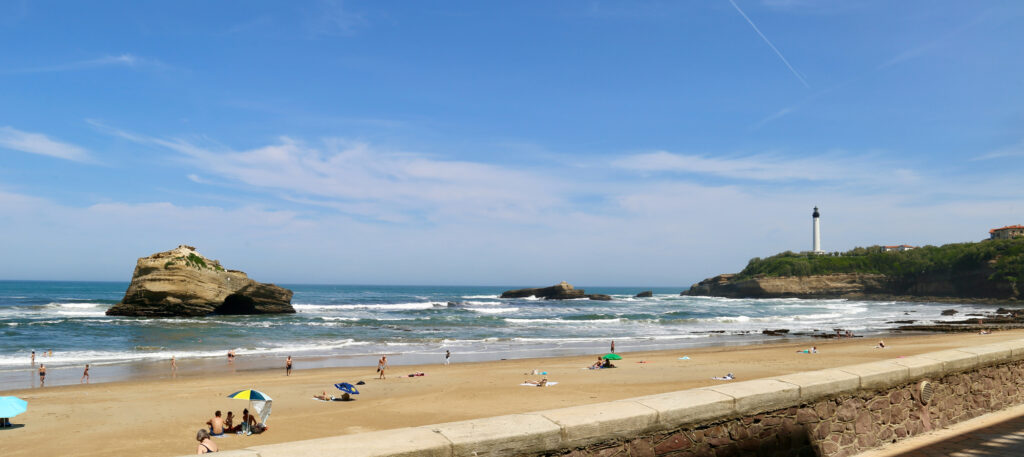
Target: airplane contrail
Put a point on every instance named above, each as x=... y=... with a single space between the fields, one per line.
x=766 y=40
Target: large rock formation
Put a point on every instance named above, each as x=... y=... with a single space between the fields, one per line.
x=561 y=291
x=182 y=282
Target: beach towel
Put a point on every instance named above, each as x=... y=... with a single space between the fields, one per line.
x=550 y=383
x=685 y=357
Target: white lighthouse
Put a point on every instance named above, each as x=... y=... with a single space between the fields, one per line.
x=817 y=233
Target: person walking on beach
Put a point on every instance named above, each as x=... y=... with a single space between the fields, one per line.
x=447 y=357
x=613 y=347
x=85 y=375
x=382 y=364
x=174 y=367
x=231 y=357
x=42 y=375
x=288 y=366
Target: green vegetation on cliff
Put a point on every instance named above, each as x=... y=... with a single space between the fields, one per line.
x=1005 y=258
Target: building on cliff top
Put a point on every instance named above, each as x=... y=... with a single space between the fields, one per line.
x=1005 y=233
x=900 y=248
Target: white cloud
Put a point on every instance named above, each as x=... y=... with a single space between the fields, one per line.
x=37 y=143
x=761 y=167
x=354 y=176
x=1015 y=150
x=121 y=60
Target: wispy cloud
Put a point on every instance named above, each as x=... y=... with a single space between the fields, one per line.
x=349 y=175
x=757 y=167
x=37 y=143
x=121 y=60
x=333 y=18
x=766 y=40
x=1015 y=150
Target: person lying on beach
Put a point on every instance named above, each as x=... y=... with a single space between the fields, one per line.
x=323 y=396
x=812 y=350
x=541 y=383
x=206 y=445
x=216 y=424
x=727 y=377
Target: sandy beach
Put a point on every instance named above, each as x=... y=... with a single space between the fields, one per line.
x=160 y=417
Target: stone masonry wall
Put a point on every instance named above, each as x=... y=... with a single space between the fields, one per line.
x=834 y=427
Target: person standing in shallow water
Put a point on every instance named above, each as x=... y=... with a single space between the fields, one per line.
x=613 y=347
x=288 y=366
x=447 y=357
x=42 y=375
x=174 y=367
x=33 y=357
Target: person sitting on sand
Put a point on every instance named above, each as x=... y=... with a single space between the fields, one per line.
x=607 y=364
x=323 y=396
x=597 y=365
x=541 y=383
x=248 y=425
x=881 y=345
x=216 y=424
x=229 y=422
x=206 y=445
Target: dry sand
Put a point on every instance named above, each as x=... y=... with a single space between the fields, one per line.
x=160 y=417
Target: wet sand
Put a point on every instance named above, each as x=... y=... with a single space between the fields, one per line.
x=159 y=417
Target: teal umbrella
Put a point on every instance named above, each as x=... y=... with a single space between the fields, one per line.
x=612 y=357
x=12 y=406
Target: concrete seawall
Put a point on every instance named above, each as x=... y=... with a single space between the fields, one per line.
x=835 y=412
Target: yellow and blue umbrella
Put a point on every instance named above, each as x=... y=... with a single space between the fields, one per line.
x=260 y=401
x=12 y=406
x=250 y=394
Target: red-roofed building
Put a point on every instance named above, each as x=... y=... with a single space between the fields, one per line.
x=901 y=248
x=1005 y=233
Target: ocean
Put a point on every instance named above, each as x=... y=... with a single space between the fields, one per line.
x=350 y=325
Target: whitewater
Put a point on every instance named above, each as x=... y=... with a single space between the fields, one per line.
x=357 y=322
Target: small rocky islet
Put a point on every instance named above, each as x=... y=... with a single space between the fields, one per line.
x=183 y=282
x=560 y=291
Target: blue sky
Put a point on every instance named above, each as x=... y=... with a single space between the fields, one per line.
x=524 y=143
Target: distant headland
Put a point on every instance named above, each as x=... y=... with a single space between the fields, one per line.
x=182 y=282
x=990 y=271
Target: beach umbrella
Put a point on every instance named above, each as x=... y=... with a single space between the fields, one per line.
x=347 y=388
x=249 y=394
x=612 y=357
x=12 y=406
x=260 y=402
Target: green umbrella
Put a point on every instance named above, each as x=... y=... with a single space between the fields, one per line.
x=612 y=357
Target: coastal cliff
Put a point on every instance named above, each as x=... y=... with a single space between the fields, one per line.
x=989 y=271
x=182 y=282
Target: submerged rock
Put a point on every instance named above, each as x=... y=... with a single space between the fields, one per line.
x=182 y=282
